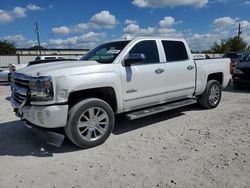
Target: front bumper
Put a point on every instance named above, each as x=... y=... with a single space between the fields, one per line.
x=43 y=116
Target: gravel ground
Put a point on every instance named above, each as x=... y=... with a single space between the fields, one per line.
x=188 y=147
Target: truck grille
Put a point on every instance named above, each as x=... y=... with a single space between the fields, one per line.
x=20 y=89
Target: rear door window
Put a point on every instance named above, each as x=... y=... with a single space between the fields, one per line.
x=175 y=51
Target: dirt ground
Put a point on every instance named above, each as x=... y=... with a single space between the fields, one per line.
x=188 y=147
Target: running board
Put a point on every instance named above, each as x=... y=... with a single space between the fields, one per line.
x=158 y=109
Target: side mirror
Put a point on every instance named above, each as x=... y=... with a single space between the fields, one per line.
x=134 y=59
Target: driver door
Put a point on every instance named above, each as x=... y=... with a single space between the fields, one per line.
x=144 y=84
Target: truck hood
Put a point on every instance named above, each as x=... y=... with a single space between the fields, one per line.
x=55 y=68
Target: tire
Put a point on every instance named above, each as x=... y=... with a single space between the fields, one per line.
x=90 y=122
x=211 y=96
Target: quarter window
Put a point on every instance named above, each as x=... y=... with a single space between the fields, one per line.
x=149 y=49
x=175 y=51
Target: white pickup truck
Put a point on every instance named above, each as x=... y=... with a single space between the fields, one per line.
x=140 y=77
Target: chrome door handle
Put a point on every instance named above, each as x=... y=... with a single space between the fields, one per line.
x=159 y=71
x=190 y=67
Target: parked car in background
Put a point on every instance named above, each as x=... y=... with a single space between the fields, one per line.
x=37 y=62
x=4 y=75
x=14 y=67
x=49 y=57
x=241 y=73
x=236 y=57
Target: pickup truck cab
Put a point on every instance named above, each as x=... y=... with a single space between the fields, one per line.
x=141 y=77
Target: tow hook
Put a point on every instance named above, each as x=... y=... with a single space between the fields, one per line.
x=17 y=113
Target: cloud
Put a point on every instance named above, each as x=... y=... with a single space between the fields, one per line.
x=19 y=12
x=223 y=28
x=224 y=21
x=127 y=22
x=81 y=27
x=87 y=40
x=131 y=28
x=100 y=20
x=169 y=3
x=19 y=40
x=33 y=7
x=167 y=22
x=63 y=30
x=8 y=16
x=104 y=19
x=5 y=16
x=51 y=6
x=134 y=30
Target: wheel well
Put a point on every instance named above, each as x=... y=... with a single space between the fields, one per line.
x=105 y=93
x=216 y=76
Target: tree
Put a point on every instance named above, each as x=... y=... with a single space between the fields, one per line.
x=236 y=44
x=37 y=48
x=233 y=44
x=220 y=48
x=7 y=48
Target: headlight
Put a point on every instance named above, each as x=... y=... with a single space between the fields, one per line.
x=238 y=71
x=41 y=89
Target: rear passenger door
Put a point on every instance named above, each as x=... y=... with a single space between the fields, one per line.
x=144 y=84
x=180 y=70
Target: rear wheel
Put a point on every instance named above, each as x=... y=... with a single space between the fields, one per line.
x=211 y=96
x=90 y=122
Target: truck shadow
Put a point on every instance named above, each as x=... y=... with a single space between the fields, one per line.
x=124 y=125
x=18 y=140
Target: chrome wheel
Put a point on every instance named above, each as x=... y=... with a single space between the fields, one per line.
x=93 y=123
x=214 y=94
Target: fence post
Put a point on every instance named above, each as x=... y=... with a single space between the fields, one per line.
x=18 y=59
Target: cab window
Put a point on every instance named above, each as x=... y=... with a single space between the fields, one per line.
x=149 y=49
x=175 y=51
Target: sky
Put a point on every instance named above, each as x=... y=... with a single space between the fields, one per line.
x=85 y=24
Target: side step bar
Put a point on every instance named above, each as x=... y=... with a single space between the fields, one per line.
x=158 y=109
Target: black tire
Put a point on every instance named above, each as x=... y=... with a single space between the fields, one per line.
x=204 y=99
x=78 y=111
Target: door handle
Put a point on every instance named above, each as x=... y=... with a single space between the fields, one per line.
x=159 y=71
x=190 y=67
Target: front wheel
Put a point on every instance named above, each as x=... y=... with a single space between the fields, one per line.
x=211 y=96
x=90 y=122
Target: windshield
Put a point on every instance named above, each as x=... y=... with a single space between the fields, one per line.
x=105 y=53
x=247 y=58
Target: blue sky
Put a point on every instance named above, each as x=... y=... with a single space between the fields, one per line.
x=85 y=24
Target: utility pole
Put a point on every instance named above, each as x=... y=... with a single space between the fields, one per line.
x=38 y=39
x=239 y=30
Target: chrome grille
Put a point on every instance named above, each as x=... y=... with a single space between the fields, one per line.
x=20 y=89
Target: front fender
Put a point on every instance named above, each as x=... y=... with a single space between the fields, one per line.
x=78 y=82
